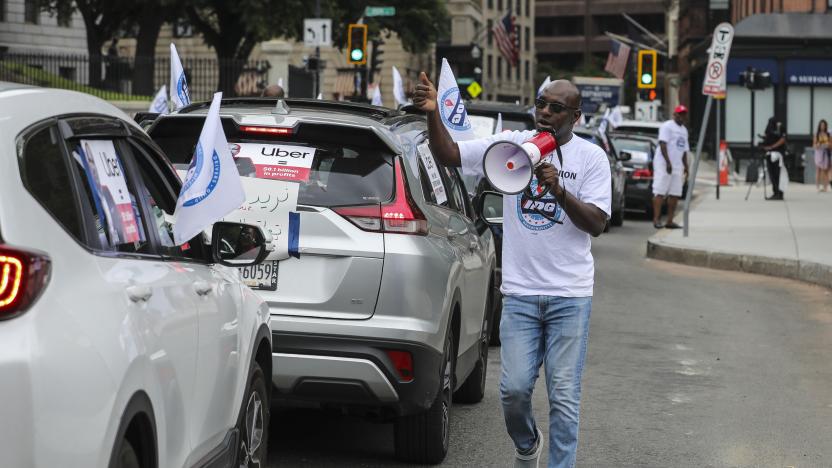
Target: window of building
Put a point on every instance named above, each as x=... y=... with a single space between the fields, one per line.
x=565 y=26
x=499 y=68
x=528 y=39
x=31 y=14
x=821 y=103
x=491 y=4
x=799 y=118
x=529 y=11
x=64 y=18
x=2 y=10
x=489 y=32
x=500 y=5
x=517 y=8
x=517 y=71
x=489 y=69
x=738 y=109
x=526 y=74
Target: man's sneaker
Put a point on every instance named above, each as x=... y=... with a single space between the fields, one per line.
x=533 y=459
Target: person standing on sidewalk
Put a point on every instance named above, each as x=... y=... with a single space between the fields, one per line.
x=774 y=144
x=822 y=156
x=548 y=269
x=670 y=166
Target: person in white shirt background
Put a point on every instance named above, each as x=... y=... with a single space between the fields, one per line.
x=670 y=166
x=548 y=269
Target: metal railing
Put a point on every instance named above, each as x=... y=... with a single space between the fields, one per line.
x=133 y=78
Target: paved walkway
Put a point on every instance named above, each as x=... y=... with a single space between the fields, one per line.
x=791 y=238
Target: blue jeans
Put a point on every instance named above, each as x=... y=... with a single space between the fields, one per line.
x=553 y=331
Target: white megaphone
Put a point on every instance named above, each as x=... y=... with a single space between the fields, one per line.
x=509 y=166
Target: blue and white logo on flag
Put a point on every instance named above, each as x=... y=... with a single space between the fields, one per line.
x=450 y=105
x=212 y=187
x=178 y=84
x=160 y=101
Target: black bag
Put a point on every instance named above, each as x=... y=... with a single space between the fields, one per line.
x=752 y=172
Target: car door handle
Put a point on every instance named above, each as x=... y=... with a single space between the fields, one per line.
x=139 y=293
x=203 y=288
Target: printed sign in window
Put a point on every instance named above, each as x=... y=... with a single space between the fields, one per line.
x=278 y=162
x=113 y=202
x=433 y=173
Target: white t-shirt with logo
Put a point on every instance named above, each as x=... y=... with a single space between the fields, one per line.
x=541 y=257
x=675 y=137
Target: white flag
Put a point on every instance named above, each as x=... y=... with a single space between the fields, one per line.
x=160 y=102
x=320 y=96
x=212 y=186
x=280 y=82
x=615 y=117
x=398 y=88
x=499 y=127
x=377 y=96
x=178 y=85
x=450 y=106
x=543 y=86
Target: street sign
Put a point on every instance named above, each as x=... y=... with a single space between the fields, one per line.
x=474 y=89
x=714 y=84
x=379 y=11
x=317 y=32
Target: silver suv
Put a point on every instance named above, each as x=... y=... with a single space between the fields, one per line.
x=386 y=311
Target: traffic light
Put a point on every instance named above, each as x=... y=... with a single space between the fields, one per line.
x=375 y=58
x=647 y=69
x=357 y=44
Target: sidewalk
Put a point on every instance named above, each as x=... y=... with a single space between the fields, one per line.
x=791 y=238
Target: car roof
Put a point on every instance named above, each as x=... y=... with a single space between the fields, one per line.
x=640 y=123
x=31 y=104
x=381 y=121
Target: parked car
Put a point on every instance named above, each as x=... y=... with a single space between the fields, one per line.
x=639 y=127
x=117 y=347
x=386 y=312
x=616 y=160
x=638 y=169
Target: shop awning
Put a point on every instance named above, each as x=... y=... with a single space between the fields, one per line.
x=776 y=26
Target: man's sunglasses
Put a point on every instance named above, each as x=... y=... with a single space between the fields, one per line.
x=554 y=107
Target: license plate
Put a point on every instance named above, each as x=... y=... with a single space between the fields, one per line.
x=262 y=276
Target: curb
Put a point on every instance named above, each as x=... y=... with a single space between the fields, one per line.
x=810 y=272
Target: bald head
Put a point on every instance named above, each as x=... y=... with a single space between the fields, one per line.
x=563 y=91
x=273 y=91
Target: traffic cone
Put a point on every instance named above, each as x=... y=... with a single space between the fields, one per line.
x=723 y=162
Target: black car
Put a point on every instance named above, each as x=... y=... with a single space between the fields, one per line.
x=616 y=160
x=638 y=169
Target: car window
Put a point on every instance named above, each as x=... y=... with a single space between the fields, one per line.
x=45 y=175
x=111 y=200
x=639 y=150
x=161 y=202
x=341 y=174
x=481 y=125
x=455 y=189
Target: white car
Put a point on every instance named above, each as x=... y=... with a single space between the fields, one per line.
x=117 y=348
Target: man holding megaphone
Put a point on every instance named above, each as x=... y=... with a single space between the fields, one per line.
x=557 y=191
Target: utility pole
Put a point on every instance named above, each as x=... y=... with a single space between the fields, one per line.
x=317 y=85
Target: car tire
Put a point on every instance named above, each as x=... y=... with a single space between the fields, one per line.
x=424 y=438
x=473 y=389
x=253 y=423
x=127 y=456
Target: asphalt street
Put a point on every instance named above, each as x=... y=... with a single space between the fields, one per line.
x=687 y=367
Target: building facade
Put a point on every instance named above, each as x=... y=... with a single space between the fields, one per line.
x=24 y=28
x=473 y=53
x=570 y=34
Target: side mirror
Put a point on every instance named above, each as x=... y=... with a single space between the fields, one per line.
x=624 y=156
x=238 y=244
x=490 y=207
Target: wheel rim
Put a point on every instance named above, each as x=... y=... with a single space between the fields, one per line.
x=253 y=436
x=446 y=396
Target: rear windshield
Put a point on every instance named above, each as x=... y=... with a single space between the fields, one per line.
x=342 y=173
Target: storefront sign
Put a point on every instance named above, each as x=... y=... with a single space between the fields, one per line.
x=809 y=72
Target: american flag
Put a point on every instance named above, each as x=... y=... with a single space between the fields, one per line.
x=617 y=59
x=505 y=34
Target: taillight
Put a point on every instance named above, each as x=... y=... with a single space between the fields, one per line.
x=23 y=276
x=401 y=216
x=267 y=130
x=642 y=174
x=403 y=363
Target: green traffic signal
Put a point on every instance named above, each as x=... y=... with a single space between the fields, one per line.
x=646 y=78
x=357 y=55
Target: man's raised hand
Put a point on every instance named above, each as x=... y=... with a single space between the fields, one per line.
x=425 y=95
